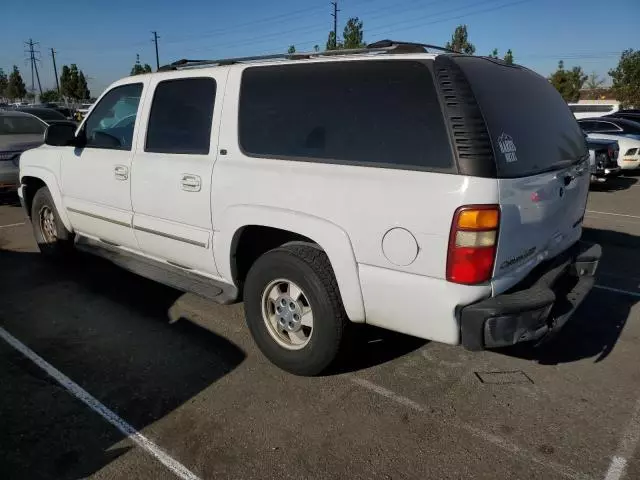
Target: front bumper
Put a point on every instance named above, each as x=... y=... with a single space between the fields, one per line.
x=538 y=306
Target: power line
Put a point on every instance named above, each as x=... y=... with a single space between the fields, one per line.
x=34 y=66
x=155 y=40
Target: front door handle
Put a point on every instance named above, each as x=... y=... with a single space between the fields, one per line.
x=121 y=172
x=190 y=183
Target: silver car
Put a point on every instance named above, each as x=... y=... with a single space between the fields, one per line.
x=18 y=132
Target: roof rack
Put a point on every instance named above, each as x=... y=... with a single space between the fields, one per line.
x=382 y=46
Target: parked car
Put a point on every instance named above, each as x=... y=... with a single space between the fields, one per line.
x=82 y=111
x=47 y=115
x=629 y=114
x=18 y=132
x=595 y=109
x=345 y=187
x=625 y=132
x=603 y=159
x=65 y=111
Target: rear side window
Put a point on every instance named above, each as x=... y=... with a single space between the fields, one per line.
x=181 y=116
x=371 y=113
x=531 y=127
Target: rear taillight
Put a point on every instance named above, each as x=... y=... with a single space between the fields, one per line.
x=472 y=244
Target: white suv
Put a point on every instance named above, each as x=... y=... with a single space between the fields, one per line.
x=438 y=195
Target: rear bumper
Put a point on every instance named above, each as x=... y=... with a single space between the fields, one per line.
x=537 y=307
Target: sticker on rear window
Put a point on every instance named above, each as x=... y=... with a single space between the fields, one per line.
x=507 y=147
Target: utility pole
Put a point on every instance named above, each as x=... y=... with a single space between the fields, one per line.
x=55 y=70
x=335 y=21
x=34 y=66
x=155 y=40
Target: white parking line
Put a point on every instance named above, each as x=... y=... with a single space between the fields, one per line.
x=94 y=404
x=627 y=447
x=486 y=436
x=618 y=290
x=614 y=214
x=12 y=225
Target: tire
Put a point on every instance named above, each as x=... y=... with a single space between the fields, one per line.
x=307 y=267
x=53 y=238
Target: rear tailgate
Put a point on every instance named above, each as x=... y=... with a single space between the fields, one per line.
x=541 y=164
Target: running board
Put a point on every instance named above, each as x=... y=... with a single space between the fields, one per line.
x=172 y=275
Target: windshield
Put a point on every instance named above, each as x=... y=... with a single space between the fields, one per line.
x=20 y=125
x=531 y=127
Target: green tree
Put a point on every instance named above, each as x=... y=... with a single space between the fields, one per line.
x=65 y=79
x=332 y=44
x=508 y=57
x=138 y=68
x=353 y=34
x=494 y=53
x=4 y=83
x=626 y=79
x=83 y=92
x=291 y=49
x=594 y=81
x=50 y=96
x=15 y=87
x=568 y=82
x=460 y=41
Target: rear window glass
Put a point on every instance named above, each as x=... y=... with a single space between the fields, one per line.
x=371 y=113
x=20 y=125
x=591 y=108
x=181 y=116
x=530 y=125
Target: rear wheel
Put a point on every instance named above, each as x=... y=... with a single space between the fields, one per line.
x=53 y=239
x=293 y=308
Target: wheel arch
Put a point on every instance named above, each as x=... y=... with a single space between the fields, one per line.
x=236 y=220
x=32 y=179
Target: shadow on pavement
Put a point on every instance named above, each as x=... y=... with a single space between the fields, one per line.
x=596 y=326
x=108 y=331
x=614 y=184
x=370 y=346
x=9 y=198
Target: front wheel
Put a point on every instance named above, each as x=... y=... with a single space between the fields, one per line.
x=293 y=308
x=53 y=239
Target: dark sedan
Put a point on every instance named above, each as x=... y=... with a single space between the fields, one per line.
x=18 y=132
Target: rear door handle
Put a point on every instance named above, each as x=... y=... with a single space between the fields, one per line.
x=121 y=172
x=190 y=183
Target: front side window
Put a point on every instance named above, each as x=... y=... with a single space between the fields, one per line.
x=112 y=121
x=368 y=113
x=181 y=116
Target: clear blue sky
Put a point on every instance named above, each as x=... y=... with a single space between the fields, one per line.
x=103 y=37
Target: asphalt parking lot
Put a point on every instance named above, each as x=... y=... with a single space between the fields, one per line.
x=208 y=405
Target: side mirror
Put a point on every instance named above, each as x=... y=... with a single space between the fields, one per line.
x=60 y=135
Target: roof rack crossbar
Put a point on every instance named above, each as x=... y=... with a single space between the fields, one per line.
x=382 y=46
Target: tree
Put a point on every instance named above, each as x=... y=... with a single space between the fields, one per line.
x=65 y=79
x=49 y=96
x=83 y=92
x=626 y=79
x=494 y=53
x=353 y=34
x=15 y=87
x=568 y=82
x=508 y=57
x=73 y=83
x=4 y=83
x=332 y=44
x=460 y=41
x=594 y=81
x=291 y=49
x=138 y=68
